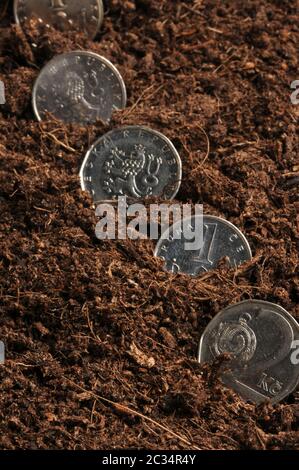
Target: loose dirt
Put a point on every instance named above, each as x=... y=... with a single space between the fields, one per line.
x=101 y=343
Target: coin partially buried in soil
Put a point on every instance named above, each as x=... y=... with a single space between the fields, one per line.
x=78 y=87
x=132 y=161
x=64 y=15
x=220 y=238
x=261 y=337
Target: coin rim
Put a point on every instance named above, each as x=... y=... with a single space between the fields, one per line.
x=101 y=16
x=207 y=216
x=87 y=53
x=279 y=309
x=124 y=128
x=99 y=24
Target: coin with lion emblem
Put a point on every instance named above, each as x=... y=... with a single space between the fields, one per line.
x=132 y=161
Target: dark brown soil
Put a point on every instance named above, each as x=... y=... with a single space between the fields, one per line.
x=101 y=343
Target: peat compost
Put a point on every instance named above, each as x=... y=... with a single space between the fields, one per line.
x=101 y=343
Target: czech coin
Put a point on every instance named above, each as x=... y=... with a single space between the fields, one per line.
x=132 y=161
x=220 y=239
x=83 y=15
x=263 y=340
x=79 y=87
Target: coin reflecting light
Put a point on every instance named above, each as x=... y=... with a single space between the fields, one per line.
x=220 y=238
x=132 y=161
x=64 y=15
x=260 y=336
x=78 y=87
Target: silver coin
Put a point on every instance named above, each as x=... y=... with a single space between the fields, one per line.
x=80 y=15
x=220 y=239
x=132 y=161
x=80 y=87
x=261 y=337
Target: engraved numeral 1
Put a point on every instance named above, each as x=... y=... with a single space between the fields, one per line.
x=209 y=238
x=84 y=19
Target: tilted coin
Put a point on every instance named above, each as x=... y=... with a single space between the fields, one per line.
x=220 y=238
x=260 y=337
x=132 y=161
x=83 y=15
x=80 y=87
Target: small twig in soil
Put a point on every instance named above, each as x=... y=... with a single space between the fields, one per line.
x=22 y=364
x=192 y=10
x=41 y=209
x=215 y=30
x=225 y=62
x=221 y=436
x=208 y=150
x=141 y=98
x=164 y=346
x=3 y=10
x=53 y=137
x=126 y=409
x=85 y=311
x=93 y=411
x=58 y=142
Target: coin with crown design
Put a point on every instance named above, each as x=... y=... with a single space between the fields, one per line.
x=78 y=87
